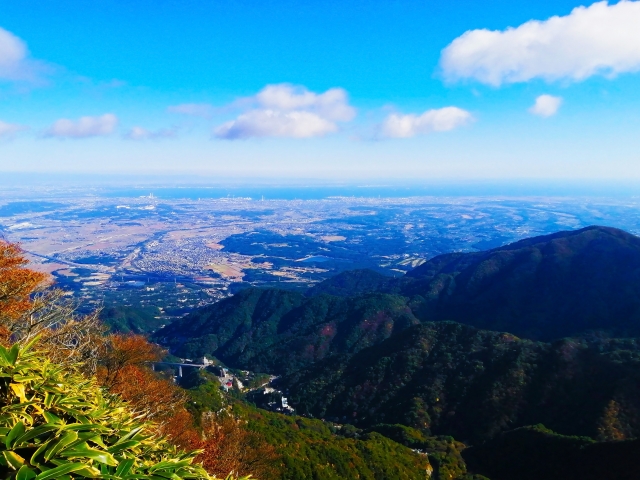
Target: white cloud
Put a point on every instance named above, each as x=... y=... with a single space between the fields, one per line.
x=194 y=109
x=83 y=127
x=13 y=53
x=437 y=120
x=9 y=130
x=288 y=111
x=546 y=106
x=275 y=123
x=599 y=39
x=140 y=133
x=15 y=64
x=332 y=104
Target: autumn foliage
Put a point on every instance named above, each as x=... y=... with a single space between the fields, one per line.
x=17 y=283
x=123 y=352
x=122 y=364
x=228 y=446
x=225 y=444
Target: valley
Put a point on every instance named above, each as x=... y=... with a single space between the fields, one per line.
x=379 y=354
x=397 y=334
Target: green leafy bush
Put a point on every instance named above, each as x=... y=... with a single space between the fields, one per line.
x=56 y=424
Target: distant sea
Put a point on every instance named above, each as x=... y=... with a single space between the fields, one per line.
x=167 y=187
x=271 y=192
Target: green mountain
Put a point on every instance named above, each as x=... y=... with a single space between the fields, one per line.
x=278 y=331
x=541 y=288
x=319 y=450
x=550 y=287
x=451 y=379
x=429 y=354
x=132 y=319
x=315 y=450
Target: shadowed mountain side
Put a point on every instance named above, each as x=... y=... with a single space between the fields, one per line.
x=533 y=453
x=279 y=331
x=456 y=380
x=352 y=283
x=541 y=288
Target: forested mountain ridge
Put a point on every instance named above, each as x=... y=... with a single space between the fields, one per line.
x=279 y=331
x=550 y=287
x=353 y=282
x=370 y=350
x=542 y=288
x=449 y=378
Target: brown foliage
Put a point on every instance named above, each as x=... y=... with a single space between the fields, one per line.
x=124 y=370
x=124 y=351
x=229 y=447
x=29 y=309
x=17 y=283
x=148 y=394
x=180 y=429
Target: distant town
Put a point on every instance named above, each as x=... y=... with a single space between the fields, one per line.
x=177 y=254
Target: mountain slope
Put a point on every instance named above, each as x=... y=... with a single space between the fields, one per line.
x=456 y=380
x=278 y=331
x=542 y=288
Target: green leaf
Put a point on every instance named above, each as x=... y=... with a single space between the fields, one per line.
x=64 y=441
x=58 y=472
x=81 y=451
x=13 y=459
x=4 y=357
x=169 y=464
x=85 y=427
x=169 y=475
x=33 y=434
x=91 y=472
x=122 y=446
x=129 y=436
x=49 y=398
x=51 y=418
x=37 y=456
x=16 y=431
x=12 y=354
x=30 y=343
x=25 y=473
x=124 y=467
x=25 y=378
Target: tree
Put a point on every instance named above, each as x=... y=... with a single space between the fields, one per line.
x=123 y=351
x=30 y=308
x=227 y=445
x=17 y=283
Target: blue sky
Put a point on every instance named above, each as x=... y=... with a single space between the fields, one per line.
x=339 y=90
